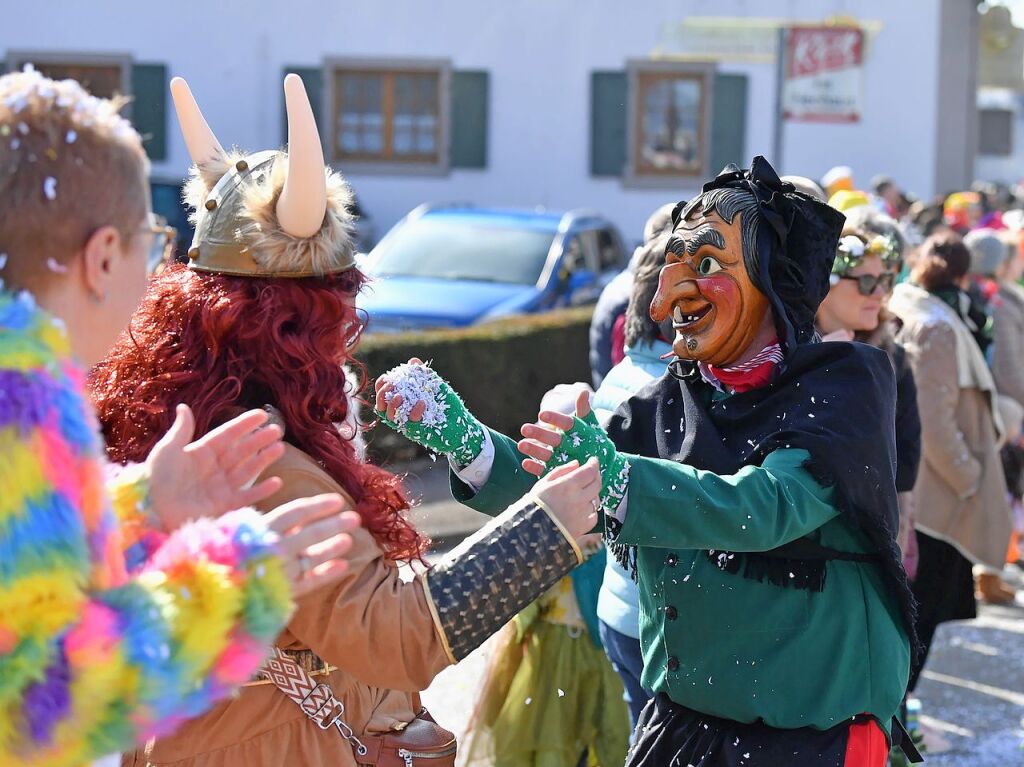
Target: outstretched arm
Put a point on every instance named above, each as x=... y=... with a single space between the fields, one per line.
x=672 y=505
x=667 y=504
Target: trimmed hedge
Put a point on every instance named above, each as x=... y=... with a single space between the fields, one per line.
x=501 y=369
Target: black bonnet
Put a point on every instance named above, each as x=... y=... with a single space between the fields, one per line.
x=794 y=248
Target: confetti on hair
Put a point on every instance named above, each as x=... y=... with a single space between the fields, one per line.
x=23 y=129
x=3 y=260
x=56 y=266
x=15 y=143
x=51 y=153
x=50 y=188
x=71 y=137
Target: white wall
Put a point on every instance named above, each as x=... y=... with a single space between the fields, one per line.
x=539 y=54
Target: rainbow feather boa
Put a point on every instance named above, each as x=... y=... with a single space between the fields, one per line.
x=110 y=633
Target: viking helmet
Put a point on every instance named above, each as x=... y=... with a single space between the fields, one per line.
x=267 y=214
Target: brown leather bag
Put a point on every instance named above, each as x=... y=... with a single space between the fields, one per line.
x=421 y=743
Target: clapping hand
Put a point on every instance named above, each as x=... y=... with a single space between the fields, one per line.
x=312 y=540
x=212 y=475
x=557 y=438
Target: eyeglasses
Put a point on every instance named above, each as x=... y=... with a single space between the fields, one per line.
x=165 y=238
x=868 y=283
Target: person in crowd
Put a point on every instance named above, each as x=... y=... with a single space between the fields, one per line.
x=264 y=316
x=996 y=267
x=863 y=275
x=129 y=603
x=607 y=324
x=735 y=598
x=807 y=186
x=1008 y=371
x=837 y=179
x=647 y=352
x=889 y=196
x=849 y=199
x=961 y=511
x=962 y=211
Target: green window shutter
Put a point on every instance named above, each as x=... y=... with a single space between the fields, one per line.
x=608 y=108
x=468 y=134
x=729 y=122
x=149 y=107
x=313 y=79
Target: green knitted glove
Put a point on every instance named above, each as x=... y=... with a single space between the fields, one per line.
x=447 y=426
x=587 y=439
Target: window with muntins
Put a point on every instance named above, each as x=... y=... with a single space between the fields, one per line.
x=388 y=116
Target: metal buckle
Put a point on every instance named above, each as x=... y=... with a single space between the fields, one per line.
x=330 y=700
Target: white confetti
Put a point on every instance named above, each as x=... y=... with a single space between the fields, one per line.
x=56 y=266
x=3 y=260
x=71 y=137
x=23 y=129
x=50 y=188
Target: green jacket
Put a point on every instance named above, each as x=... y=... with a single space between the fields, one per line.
x=726 y=645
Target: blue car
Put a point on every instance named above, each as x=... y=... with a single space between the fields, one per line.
x=452 y=266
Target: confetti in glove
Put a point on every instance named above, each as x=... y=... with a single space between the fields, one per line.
x=586 y=439
x=447 y=426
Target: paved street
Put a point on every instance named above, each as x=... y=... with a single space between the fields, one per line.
x=972 y=692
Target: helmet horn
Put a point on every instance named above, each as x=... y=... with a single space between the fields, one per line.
x=303 y=201
x=202 y=144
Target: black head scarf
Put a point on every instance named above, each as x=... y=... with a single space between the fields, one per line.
x=788 y=248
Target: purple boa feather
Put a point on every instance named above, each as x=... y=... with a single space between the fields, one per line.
x=48 y=701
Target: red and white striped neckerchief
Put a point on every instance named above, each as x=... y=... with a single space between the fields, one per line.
x=753 y=373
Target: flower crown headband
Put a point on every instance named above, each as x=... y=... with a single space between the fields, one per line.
x=853 y=250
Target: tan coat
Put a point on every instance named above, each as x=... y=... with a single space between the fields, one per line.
x=1008 y=344
x=960 y=496
x=375 y=628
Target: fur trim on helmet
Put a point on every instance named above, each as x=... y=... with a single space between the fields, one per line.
x=329 y=250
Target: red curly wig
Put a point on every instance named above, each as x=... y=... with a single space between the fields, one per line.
x=218 y=343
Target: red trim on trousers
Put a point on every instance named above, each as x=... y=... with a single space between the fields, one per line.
x=866 y=745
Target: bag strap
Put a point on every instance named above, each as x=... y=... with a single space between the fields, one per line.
x=317 y=701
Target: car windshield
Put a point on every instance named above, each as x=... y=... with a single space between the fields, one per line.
x=439 y=247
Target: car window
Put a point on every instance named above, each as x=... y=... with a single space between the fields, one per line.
x=453 y=248
x=588 y=240
x=609 y=250
x=575 y=255
x=166 y=200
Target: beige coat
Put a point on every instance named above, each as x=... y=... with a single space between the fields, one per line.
x=375 y=628
x=1008 y=344
x=960 y=496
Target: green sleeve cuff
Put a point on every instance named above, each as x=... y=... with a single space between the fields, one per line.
x=507 y=483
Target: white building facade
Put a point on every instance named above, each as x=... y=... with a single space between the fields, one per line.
x=527 y=103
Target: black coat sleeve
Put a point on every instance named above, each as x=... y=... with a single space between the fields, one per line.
x=908 y=423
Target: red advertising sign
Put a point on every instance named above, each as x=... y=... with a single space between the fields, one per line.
x=823 y=74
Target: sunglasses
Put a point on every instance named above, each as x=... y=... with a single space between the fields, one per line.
x=165 y=239
x=868 y=283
